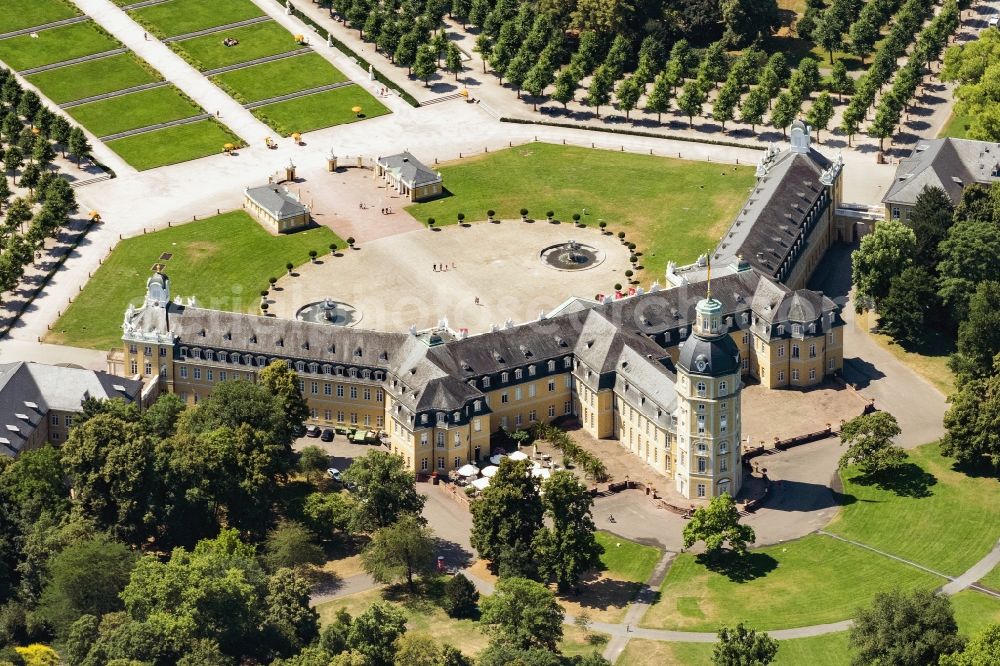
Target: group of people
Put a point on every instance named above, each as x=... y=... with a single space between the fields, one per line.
x=385 y=210
x=229 y=41
x=444 y=267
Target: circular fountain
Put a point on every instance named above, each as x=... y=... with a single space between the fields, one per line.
x=329 y=311
x=571 y=256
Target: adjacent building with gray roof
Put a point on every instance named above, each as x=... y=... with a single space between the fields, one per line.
x=408 y=176
x=276 y=208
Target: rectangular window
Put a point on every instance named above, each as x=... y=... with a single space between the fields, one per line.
x=378 y=422
x=327 y=389
x=812 y=351
x=423 y=439
x=531 y=390
x=55 y=419
x=340 y=390
x=423 y=464
x=552 y=411
x=795 y=375
x=354 y=393
x=184 y=372
x=367 y=420
x=340 y=417
x=458 y=462
x=568 y=407
x=724 y=464
x=135 y=367
x=477 y=425
x=504 y=398
x=379 y=395
x=895 y=213
x=781 y=351
x=552 y=385
x=210 y=374
x=517 y=419
x=486 y=382
x=795 y=351
x=314 y=388
x=830 y=337
x=197 y=373
x=812 y=373
x=148 y=368
x=367 y=394
x=746 y=364
x=457 y=439
x=354 y=418
x=440 y=462
x=222 y=375
x=829 y=365
x=532 y=416
x=746 y=337
x=327 y=415
x=781 y=375
x=517 y=393
x=701 y=490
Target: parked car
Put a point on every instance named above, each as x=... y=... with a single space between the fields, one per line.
x=994 y=21
x=327 y=435
x=312 y=431
x=334 y=474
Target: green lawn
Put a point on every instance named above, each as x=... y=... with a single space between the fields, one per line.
x=992 y=579
x=96 y=77
x=957 y=126
x=325 y=109
x=672 y=209
x=180 y=17
x=627 y=560
x=812 y=580
x=974 y=611
x=280 y=77
x=139 y=109
x=426 y=617
x=174 y=144
x=826 y=650
x=943 y=519
x=55 y=45
x=21 y=14
x=223 y=261
x=256 y=41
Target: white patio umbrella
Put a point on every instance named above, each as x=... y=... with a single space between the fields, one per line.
x=490 y=471
x=541 y=473
x=480 y=484
x=519 y=455
x=496 y=460
x=467 y=470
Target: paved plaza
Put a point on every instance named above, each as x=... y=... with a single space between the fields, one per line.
x=393 y=284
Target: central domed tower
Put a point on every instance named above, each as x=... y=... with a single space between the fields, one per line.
x=708 y=408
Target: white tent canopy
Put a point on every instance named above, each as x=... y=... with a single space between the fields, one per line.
x=541 y=473
x=468 y=470
x=518 y=455
x=480 y=484
x=490 y=471
x=496 y=460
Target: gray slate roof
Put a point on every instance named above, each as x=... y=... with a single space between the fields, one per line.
x=950 y=164
x=276 y=200
x=47 y=388
x=411 y=171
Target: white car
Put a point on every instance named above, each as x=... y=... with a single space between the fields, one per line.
x=334 y=474
x=994 y=21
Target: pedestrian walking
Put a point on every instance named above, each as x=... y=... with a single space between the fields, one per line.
x=477 y=300
x=145 y=37
x=435 y=268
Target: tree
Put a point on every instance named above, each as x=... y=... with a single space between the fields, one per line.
x=716 y=524
x=406 y=50
x=282 y=382
x=715 y=63
x=568 y=548
x=967 y=258
x=327 y=514
x=784 y=112
x=565 y=87
x=43 y=153
x=453 y=59
x=290 y=623
x=930 y=219
x=743 y=646
x=628 y=93
x=85 y=578
x=659 y=97
x=978 y=342
x=753 y=107
x=840 y=82
x=374 y=633
x=983 y=650
x=79 y=147
x=690 y=102
x=863 y=34
x=517 y=70
x=599 y=92
x=80 y=639
x=418 y=650
x=506 y=517
x=899 y=627
x=747 y=20
x=821 y=113
x=61 y=131
x=883 y=255
x=828 y=33
x=291 y=545
x=909 y=306
x=808 y=70
x=651 y=53
x=37 y=654
x=725 y=104
x=460 y=597
x=850 y=120
x=504 y=49
x=539 y=76
x=522 y=614
x=313 y=462
x=425 y=64
x=12 y=161
x=619 y=55
x=385 y=490
x=400 y=551
x=972 y=420
x=886 y=117
x=869 y=443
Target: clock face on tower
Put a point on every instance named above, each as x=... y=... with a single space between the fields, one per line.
x=700 y=364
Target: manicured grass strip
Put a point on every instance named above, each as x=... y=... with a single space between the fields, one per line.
x=223 y=261
x=55 y=45
x=813 y=580
x=22 y=14
x=173 y=144
x=255 y=41
x=627 y=560
x=930 y=513
x=104 y=75
x=975 y=611
x=325 y=109
x=957 y=126
x=139 y=109
x=180 y=17
x=281 y=77
x=826 y=650
x=672 y=209
x=992 y=579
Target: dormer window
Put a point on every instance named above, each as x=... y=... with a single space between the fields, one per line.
x=796 y=329
x=504 y=377
x=781 y=329
x=518 y=373
x=552 y=366
x=531 y=371
x=279 y=343
x=567 y=362
x=423 y=418
x=300 y=366
x=486 y=382
x=253 y=339
x=357 y=352
x=477 y=405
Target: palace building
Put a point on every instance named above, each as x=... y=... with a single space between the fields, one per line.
x=661 y=371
